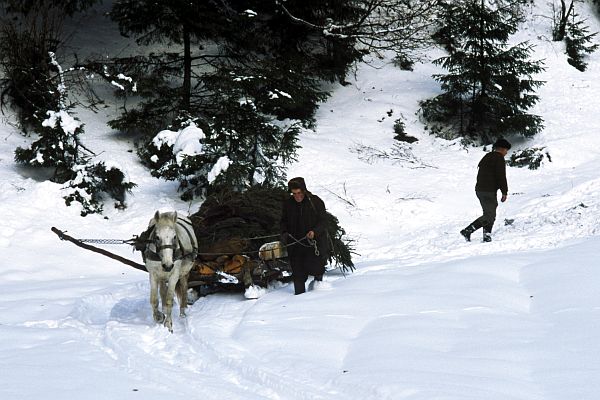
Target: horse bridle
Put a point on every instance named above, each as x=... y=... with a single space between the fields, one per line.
x=176 y=246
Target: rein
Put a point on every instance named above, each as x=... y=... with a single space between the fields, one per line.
x=178 y=254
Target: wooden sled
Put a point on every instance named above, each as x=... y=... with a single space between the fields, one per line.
x=218 y=272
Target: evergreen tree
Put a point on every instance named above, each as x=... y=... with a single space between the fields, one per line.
x=235 y=68
x=488 y=87
x=29 y=31
x=58 y=146
x=237 y=148
x=176 y=23
x=570 y=28
x=448 y=31
x=58 y=143
x=208 y=37
x=92 y=183
x=578 y=43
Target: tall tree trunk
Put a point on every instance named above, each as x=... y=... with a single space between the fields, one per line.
x=563 y=19
x=187 y=69
x=254 y=161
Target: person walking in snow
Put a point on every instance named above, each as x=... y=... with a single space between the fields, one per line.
x=304 y=230
x=490 y=177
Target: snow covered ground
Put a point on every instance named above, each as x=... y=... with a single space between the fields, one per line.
x=425 y=316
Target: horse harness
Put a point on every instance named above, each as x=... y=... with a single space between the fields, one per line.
x=178 y=248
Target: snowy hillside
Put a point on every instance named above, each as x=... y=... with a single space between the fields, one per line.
x=425 y=316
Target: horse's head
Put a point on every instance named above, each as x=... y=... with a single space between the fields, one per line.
x=165 y=238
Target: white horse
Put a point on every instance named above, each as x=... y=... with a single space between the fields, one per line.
x=169 y=257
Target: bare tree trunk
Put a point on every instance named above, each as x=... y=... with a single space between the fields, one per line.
x=187 y=69
x=561 y=30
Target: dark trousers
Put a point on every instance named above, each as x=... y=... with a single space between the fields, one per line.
x=304 y=262
x=489 y=204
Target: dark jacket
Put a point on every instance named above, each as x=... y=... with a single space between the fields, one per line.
x=492 y=173
x=297 y=219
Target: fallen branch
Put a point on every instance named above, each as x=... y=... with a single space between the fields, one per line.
x=400 y=154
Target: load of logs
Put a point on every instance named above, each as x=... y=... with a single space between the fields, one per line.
x=231 y=227
x=242 y=269
x=237 y=237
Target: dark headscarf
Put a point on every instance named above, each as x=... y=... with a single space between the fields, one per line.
x=297 y=183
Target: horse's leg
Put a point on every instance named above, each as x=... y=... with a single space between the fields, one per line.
x=158 y=316
x=182 y=288
x=168 y=301
x=163 y=294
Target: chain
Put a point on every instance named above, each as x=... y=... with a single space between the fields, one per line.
x=108 y=241
x=311 y=243
x=132 y=241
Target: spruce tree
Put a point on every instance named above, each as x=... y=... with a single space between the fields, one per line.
x=570 y=28
x=447 y=32
x=237 y=148
x=489 y=86
x=241 y=72
x=58 y=146
x=578 y=42
x=208 y=37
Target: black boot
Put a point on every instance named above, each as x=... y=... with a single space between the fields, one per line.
x=468 y=231
x=487 y=234
x=299 y=278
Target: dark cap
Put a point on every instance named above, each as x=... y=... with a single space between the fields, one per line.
x=502 y=143
x=297 y=183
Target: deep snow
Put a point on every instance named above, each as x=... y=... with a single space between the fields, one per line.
x=425 y=316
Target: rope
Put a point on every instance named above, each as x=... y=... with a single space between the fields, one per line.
x=241 y=253
x=261 y=237
x=311 y=243
x=248 y=252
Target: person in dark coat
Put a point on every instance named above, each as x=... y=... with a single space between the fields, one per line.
x=303 y=225
x=490 y=177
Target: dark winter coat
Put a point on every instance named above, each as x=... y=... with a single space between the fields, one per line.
x=492 y=174
x=297 y=219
